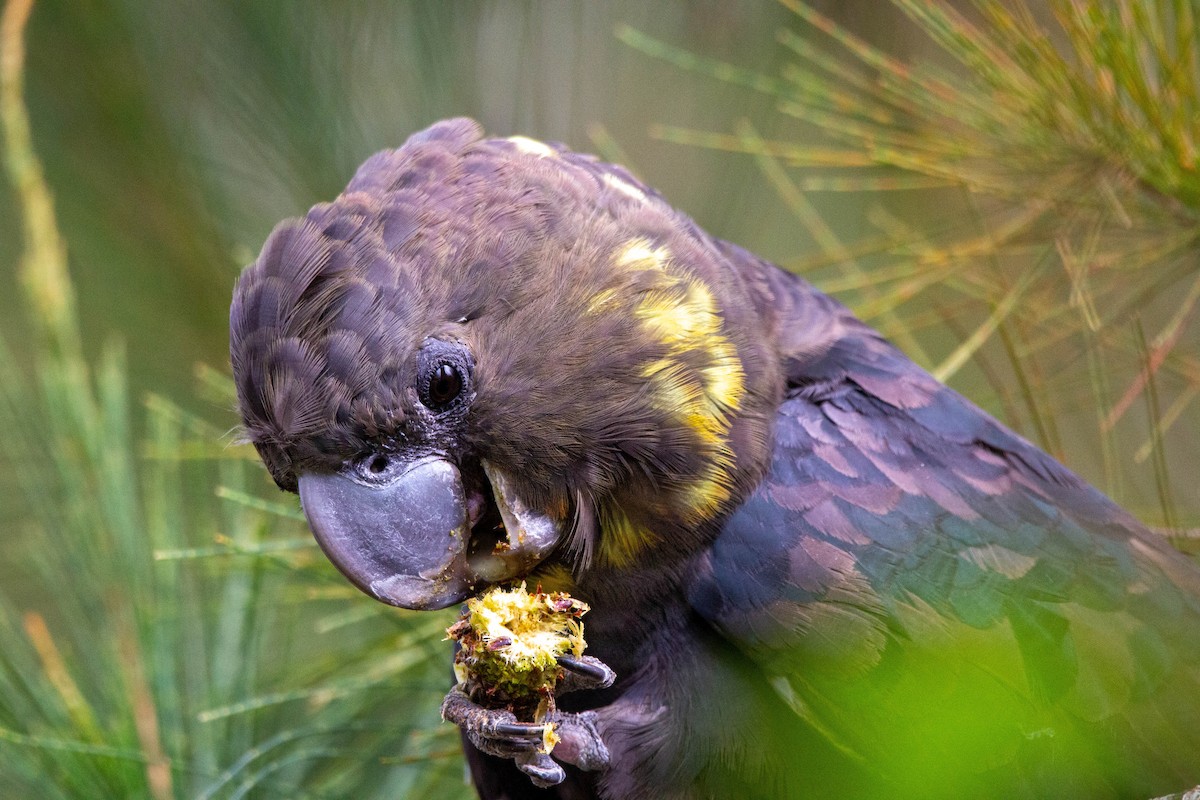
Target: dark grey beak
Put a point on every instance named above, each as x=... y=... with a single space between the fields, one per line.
x=406 y=539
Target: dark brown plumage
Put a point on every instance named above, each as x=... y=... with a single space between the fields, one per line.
x=815 y=570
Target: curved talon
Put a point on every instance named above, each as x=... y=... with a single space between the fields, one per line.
x=585 y=672
x=494 y=731
x=596 y=671
x=541 y=769
x=534 y=729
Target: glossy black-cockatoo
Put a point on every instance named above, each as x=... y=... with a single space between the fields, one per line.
x=815 y=571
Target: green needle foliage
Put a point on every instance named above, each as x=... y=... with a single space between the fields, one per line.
x=1048 y=235
x=159 y=655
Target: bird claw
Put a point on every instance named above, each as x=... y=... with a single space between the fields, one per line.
x=497 y=732
x=579 y=739
x=543 y=770
x=579 y=744
x=494 y=731
x=584 y=672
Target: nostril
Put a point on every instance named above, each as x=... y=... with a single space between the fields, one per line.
x=378 y=464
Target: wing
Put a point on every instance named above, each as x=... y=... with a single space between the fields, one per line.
x=945 y=602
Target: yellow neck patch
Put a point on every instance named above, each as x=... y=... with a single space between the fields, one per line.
x=698 y=381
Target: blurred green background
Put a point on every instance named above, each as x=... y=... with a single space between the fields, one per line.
x=168 y=630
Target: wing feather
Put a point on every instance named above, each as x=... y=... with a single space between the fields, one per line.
x=947 y=600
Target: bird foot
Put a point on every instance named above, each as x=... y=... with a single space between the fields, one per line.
x=499 y=733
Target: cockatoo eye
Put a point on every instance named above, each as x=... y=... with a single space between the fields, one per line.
x=445 y=383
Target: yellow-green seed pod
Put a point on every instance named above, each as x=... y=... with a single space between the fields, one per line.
x=509 y=643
